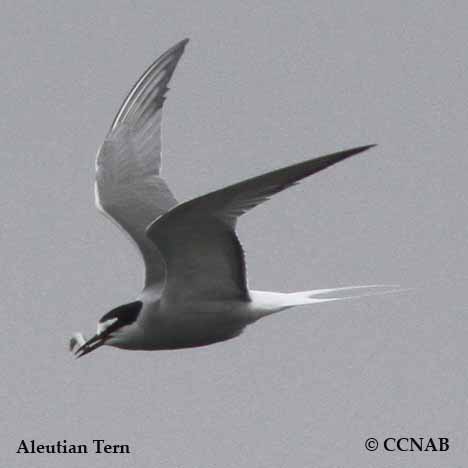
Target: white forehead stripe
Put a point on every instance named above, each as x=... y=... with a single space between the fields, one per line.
x=102 y=326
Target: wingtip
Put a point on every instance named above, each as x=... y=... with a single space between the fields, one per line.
x=178 y=48
x=366 y=147
x=358 y=149
x=182 y=43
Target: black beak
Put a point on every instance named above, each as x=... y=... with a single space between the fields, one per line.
x=93 y=343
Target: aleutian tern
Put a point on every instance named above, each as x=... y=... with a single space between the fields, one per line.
x=195 y=290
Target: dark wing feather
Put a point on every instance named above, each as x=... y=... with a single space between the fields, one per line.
x=197 y=238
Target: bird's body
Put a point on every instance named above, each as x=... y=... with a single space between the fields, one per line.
x=196 y=290
x=186 y=326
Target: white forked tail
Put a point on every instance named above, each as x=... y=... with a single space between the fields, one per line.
x=266 y=303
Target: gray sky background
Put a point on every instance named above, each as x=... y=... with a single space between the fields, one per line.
x=261 y=85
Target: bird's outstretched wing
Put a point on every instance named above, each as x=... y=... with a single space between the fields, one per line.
x=128 y=186
x=197 y=238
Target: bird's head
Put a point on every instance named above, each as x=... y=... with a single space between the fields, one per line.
x=110 y=326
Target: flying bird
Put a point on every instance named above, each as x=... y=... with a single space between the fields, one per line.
x=195 y=290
